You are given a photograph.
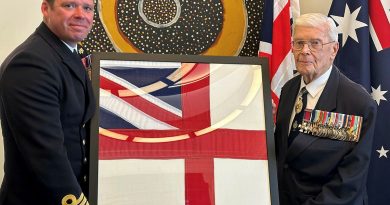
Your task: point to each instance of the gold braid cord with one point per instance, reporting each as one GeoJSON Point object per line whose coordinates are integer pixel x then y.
{"type": "Point", "coordinates": [71, 199]}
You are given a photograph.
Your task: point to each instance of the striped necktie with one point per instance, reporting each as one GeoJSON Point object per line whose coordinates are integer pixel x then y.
{"type": "Point", "coordinates": [299, 107]}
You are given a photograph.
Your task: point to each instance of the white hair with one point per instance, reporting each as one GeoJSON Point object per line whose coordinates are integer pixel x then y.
{"type": "Point", "coordinates": [318, 20]}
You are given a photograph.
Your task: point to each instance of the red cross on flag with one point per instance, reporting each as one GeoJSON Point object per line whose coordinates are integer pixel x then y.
{"type": "Point", "coordinates": [174, 133]}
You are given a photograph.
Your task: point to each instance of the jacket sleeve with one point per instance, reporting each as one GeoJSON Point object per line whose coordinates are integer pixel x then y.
{"type": "Point", "coordinates": [31, 94]}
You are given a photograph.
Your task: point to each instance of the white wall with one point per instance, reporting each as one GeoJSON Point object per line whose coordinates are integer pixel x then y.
{"type": "Point", "coordinates": [18, 19]}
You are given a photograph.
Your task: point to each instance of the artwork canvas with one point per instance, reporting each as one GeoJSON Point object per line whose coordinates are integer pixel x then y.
{"type": "Point", "coordinates": [207, 27]}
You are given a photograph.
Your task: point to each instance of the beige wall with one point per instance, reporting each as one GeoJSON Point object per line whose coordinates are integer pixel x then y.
{"type": "Point", "coordinates": [18, 19]}
{"type": "Point", "coordinates": [320, 6]}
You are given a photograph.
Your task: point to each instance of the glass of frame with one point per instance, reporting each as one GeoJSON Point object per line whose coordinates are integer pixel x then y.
{"type": "Point", "coordinates": [181, 130]}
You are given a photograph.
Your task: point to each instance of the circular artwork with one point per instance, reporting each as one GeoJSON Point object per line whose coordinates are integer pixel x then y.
{"type": "Point", "coordinates": [206, 27]}
{"type": "Point", "coordinates": [169, 26]}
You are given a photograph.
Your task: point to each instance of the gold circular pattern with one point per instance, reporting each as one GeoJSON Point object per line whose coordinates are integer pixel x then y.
{"type": "Point", "coordinates": [228, 42]}
{"type": "Point", "coordinates": [240, 34]}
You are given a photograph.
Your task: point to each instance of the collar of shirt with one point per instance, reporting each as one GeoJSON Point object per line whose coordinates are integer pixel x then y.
{"type": "Point", "coordinates": [70, 47]}
{"type": "Point", "coordinates": [315, 88]}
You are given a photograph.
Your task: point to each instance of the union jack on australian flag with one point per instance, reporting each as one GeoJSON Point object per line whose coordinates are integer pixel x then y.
{"type": "Point", "coordinates": [174, 133]}
{"type": "Point", "coordinates": [364, 56]}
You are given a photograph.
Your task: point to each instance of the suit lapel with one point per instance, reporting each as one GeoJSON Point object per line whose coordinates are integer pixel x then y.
{"type": "Point", "coordinates": [68, 58]}
{"type": "Point", "coordinates": [292, 92]}
{"type": "Point", "coordinates": [286, 106]}
{"type": "Point", "coordinates": [327, 102]}
{"type": "Point", "coordinates": [74, 64]}
{"type": "Point", "coordinates": [76, 67]}
{"type": "Point", "coordinates": [91, 106]}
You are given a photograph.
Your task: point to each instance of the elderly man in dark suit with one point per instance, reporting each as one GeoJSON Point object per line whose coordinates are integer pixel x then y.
{"type": "Point", "coordinates": [325, 124]}
{"type": "Point", "coordinates": [46, 102]}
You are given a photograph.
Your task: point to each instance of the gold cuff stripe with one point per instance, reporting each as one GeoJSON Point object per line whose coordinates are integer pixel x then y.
{"type": "Point", "coordinates": [70, 199]}
{"type": "Point", "coordinates": [84, 201]}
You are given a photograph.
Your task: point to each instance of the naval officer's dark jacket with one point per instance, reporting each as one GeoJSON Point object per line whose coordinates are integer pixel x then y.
{"type": "Point", "coordinates": [46, 103]}
{"type": "Point", "coordinates": [322, 171]}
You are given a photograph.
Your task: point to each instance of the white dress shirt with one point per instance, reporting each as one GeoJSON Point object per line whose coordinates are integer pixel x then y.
{"type": "Point", "coordinates": [314, 89]}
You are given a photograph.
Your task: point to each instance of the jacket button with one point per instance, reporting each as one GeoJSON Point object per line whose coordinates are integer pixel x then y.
{"type": "Point", "coordinates": [83, 126]}
{"type": "Point", "coordinates": [85, 160]}
{"type": "Point", "coordinates": [84, 142]}
{"type": "Point", "coordinates": [85, 178]}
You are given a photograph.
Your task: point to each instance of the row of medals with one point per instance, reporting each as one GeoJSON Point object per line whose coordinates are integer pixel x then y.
{"type": "Point", "coordinates": [323, 130]}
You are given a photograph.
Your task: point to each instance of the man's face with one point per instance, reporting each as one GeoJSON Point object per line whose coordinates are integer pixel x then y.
{"type": "Point", "coordinates": [313, 63]}
{"type": "Point", "coordinates": [70, 20]}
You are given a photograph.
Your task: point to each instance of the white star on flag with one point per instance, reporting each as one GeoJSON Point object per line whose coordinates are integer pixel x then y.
{"type": "Point", "coordinates": [382, 152]}
{"type": "Point", "coordinates": [377, 94]}
{"type": "Point", "coordinates": [348, 24]}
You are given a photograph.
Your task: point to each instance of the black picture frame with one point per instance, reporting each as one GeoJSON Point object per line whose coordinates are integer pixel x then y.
{"type": "Point", "coordinates": [94, 128]}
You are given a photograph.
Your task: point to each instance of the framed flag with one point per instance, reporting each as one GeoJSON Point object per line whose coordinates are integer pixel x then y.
{"type": "Point", "coordinates": [181, 130]}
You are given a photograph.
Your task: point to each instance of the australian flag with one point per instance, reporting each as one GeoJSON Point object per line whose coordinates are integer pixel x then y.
{"type": "Point", "coordinates": [364, 56]}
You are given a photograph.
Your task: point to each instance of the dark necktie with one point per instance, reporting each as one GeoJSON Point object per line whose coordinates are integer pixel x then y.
{"type": "Point", "coordinates": [299, 107]}
{"type": "Point", "coordinates": [75, 53]}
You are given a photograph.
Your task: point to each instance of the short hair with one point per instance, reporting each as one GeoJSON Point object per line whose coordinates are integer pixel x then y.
{"type": "Point", "coordinates": [51, 2]}
{"type": "Point", "coordinates": [318, 20]}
